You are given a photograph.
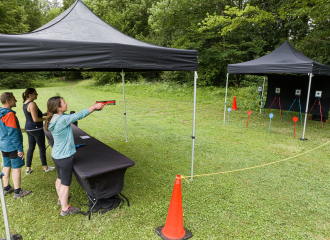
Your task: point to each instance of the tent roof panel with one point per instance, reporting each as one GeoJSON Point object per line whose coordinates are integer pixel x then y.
{"type": "Point", "coordinates": [284, 59]}
{"type": "Point", "coordinates": [78, 39]}
{"type": "Point", "coordinates": [79, 23]}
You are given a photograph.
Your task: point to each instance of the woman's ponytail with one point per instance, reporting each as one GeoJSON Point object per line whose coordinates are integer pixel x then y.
{"type": "Point", "coordinates": [27, 93]}
{"type": "Point", "coordinates": [48, 119]}
{"type": "Point", "coordinates": [52, 104]}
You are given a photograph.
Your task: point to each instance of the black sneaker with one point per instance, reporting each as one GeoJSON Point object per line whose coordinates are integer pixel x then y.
{"type": "Point", "coordinates": [22, 193]}
{"type": "Point", "coordinates": [9, 191]}
{"type": "Point", "coordinates": [70, 210]}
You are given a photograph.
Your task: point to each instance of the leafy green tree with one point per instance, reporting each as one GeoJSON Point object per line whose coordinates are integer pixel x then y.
{"type": "Point", "coordinates": [67, 4]}
{"type": "Point", "coordinates": [34, 11]}
{"type": "Point", "coordinates": [314, 41]}
{"type": "Point", "coordinates": [12, 17]}
{"type": "Point", "coordinates": [256, 30]}
{"type": "Point", "coordinates": [51, 14]}
{"type": "Point", "coordinates": [175, 24]}
{"type": "Point", "coordinates": [128, 16]}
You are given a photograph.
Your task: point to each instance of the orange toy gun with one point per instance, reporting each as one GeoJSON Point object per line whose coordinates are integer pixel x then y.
{"type": "Point", "coordinates": [111, 102]}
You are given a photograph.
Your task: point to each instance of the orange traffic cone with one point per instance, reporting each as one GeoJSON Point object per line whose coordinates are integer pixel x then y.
{"type": "Point", "coordinates": [173, 228]}
{"type": "Point", "coordinates": [234, 107]}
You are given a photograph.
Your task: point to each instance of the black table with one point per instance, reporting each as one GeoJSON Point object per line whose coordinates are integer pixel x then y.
{"type": "Point", "coordinates": [98, 168]}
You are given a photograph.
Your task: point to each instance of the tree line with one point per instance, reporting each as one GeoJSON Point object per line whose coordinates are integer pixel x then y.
{"type": "Point", "coordinates": [223, 31]}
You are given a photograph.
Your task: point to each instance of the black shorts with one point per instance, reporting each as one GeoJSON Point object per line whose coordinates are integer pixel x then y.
{"type": "Point", "coordinates": [64, 168]}
{"type": "Point", "coordinates": [11, 155]}
{"type": "Point", "coordinates": [11, 159]}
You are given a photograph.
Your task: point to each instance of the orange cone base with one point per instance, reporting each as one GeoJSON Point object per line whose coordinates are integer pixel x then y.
{"type": "Point", "coordinates": [186, 236]}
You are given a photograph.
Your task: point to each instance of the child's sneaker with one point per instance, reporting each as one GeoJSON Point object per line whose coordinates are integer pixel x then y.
{"type": "Point", "coordinates": [22, 193]}
{"type": "Point", "coordinates": [29, 172]}
{"type": "Point", "coordinates": [70, 210]}
{"type": "Point", "coordinates": [49, 169]}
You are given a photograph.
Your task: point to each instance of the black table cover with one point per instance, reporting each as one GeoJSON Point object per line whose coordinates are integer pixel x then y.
{"type": "Point", "coordinates": [97, 167]}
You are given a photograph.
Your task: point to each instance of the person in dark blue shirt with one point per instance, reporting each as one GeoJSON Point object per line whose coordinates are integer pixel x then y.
{"type": "Point", "coordinates": [34, 129]}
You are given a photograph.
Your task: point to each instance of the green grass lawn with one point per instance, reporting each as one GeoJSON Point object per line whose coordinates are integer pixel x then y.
{"type": "Point", "coordinates": [287, 200]}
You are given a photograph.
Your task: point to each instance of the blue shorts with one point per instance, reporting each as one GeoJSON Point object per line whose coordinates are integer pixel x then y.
{"type": "Point", "coordinates": [11, 159]}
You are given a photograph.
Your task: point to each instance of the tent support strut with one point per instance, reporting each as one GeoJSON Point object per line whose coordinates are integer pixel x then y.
{"type": "Point", "coordinates": [224, 112]}
{"type": "Point", "coordinates": [262, 93]}
{"type": "Point", "coordinates": [123, 77]}
{"type": "Point", "coordinates": [193, 130]}
{"type": "Point", "coordinates": [4, 208]}
{"type": "Point", "coordinates": [306, 111]}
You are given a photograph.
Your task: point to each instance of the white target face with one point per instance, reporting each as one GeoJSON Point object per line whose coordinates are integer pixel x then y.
{"type": "Point", "coordinates": [318, 94]}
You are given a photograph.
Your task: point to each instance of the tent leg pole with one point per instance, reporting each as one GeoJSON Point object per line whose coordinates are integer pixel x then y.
{"type": "Point", "coordinates": [123, 77]}
{"type": "Point", "coordinates": [224, 112]}
{"type": "Point", "coordinates": [4, 208]}
{"type": "Point", "coordinates": [262, 93]}
{"type": "Point", "coordinates": [309, 90]}
{"type": "Point", "coordinates": [193, 130]}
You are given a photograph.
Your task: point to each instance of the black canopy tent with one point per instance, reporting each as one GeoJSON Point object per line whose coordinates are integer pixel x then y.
{"type": "Point", "coordinates": [79, 40]}
{"type": "Point", "coordinates": [283, 60]}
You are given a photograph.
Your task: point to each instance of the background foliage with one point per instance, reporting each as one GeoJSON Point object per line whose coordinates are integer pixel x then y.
{"type": "Point", "coordinates": [223, 31]}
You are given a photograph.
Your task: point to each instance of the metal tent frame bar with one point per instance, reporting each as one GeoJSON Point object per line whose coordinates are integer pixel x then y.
{"type": "Point", "coordinates": [194, 116]}
{"type": "Point", "coordinates": [3, 204]}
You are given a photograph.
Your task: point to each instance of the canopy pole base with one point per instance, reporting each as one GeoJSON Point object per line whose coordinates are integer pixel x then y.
{"type": "Point", "coordinates": [303, 139]}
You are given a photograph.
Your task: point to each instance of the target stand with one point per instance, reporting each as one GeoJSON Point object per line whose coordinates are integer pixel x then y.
{"type": "Point", "coordinates": [297, 93]}
{"type": "Point", "coordinates": [277, 92]}
{"type": "Point", "coordinates": [318, 95]}
{"type": "Point", "coordinates": [260, 103]}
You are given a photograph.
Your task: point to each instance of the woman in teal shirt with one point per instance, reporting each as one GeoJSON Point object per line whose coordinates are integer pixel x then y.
{"type": "Point", "coordinates": [59, 124]}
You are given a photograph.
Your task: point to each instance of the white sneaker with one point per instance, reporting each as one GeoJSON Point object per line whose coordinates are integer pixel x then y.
{"type": "Point", "coordinates": [49, 169]}
{"type": "Point", "coordinates": [29, 172]}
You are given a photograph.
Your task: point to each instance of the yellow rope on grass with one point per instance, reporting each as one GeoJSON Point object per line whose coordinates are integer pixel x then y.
{"type": "Point", "coordinates": [263, 165]}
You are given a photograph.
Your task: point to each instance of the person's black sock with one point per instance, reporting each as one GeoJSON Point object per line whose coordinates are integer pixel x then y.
{"type": "Point", "coordinates": [17, 190]}
{"type": "Point", "coordinates": [7, 188]}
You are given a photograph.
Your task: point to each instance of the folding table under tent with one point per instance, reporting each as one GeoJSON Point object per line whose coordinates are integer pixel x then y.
{"type": "Point", "coordinates": [283, 60]}
{"type": "Point", "coordinates": [79, 40]}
